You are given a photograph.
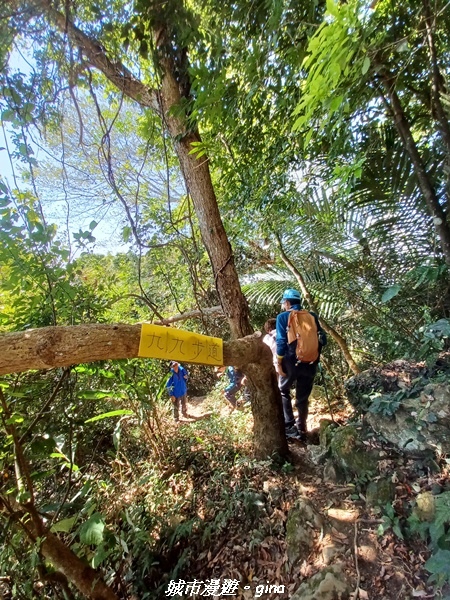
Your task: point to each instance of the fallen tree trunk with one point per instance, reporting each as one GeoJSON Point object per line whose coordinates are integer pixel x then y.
{"type": "Point", "coordinates": [51, 347]}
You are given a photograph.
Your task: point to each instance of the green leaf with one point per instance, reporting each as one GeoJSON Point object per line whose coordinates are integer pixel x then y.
{"type": "Point", "coordinates": [308, 137]}
{"type": "Point", "coordinates": [398, 532]}
{"type": "Point", "coordinates": [93, 394]}
{"type": "Point", "coordinates": [8, 115]}
{"type": "Point", "coordinates": [390, 293]}
{"type": "Point", "coordinates": [14, 419]}
{"type": "Point", "coordinates": [332, 8]}
{"type": "Point", "coordinates": [107, 415]}
{"type": "Point", "coordinates": [299, 123]}
{"type": "Point", "coordinates": [91, 532]}
{"type": "Point", "coordinates": [57, 455]}
{"type": "Point", "coordinates": [366, 65]}
{"type": "Point", "coordinates": [126, 233]}
{"type": "Point", "coordinates": [335, 103]}
{"type": "Point", "coordinates": [439, 565]}
{"type": "Point", "coordinates": [100, 555]}
{"type": "Point", "coordinates": [64, 525]}
{"type": "Point", "coordinates": [23, 496]}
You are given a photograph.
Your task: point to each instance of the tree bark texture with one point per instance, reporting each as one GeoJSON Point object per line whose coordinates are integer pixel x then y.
{"type": "Point", "coordinates": [199, 184]}
{"type": "Point", "coordinates": [269, 432]}
{"type": "Point", "coordinates": [52, 347]}
{"type": "Point", "coordinates": [87, 580]}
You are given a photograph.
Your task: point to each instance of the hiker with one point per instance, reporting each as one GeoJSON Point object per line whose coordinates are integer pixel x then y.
{"type": "Point", "coordinates": [177, 388]}
{"type": "Point", "coordinates": [271, 339]}
{"type": "Point", "coordinates": [290, 367]}
{"type": "Point", "coordinates": [237, 381]}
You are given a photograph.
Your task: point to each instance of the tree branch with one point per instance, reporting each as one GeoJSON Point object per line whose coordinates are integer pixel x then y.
{"type": "Point", "coordinates": [95, 53]}
{"type": "Point", "coordinates": [192, 314]}
{"type": "Point", "coordinates": [51, 347]}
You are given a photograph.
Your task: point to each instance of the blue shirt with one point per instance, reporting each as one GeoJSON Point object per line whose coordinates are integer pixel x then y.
{"type": "Point", "coordinates": [176, 384]}
{"type": "Point", "coordinates": [234, 375]}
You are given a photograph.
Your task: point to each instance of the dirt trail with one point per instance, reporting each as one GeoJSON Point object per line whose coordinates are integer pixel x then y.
{"type": "Point", "coordinates": [375, 566]}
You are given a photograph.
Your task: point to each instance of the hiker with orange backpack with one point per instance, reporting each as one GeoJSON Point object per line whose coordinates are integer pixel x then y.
{"type": "Point", "coordinates": [300, 339]}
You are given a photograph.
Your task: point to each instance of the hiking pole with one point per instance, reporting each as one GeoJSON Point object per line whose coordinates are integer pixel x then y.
{"type": "Point", "coordinates": [326, 391]}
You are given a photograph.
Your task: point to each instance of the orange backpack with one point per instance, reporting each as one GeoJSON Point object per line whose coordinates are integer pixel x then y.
{"type": "Point", "coordinates": [302, 327]}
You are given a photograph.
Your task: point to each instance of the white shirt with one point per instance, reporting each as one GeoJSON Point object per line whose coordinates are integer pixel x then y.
{"type": "Point", "coordinates": [270, 340]}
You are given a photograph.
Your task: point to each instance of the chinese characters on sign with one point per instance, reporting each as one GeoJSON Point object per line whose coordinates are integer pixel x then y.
{"type": "Point", "coordinates": [176, 344]}
{"type": "Point", "coordinates": [216, 587]}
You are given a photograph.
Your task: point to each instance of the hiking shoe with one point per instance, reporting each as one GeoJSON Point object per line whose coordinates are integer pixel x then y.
{"type": "Point", "coordinates": [292, 432]}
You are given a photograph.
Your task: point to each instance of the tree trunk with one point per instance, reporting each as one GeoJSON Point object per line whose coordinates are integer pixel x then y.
{"type": "Point", "coordinates": [198, 181]}
{"type": "Point", "coordinates": [168, 103]}
{"type": "Point", "coordinates": [340, 341]}
{"type": "Point", "coordinates": [86, 579]}
{"type": "Point", "coordinates": [269, 434]}
{"type": "Point", "coordinates": [434, 208]}
{"type": "Point", "coordinates": [51, 347]}
{"type": "Point", "coordinates": [437, 80]}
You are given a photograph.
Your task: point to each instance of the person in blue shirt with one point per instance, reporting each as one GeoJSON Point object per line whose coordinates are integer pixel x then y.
{"type": "Point", "coordinates": [237, 380]}
{"type": "Point", "coordinates": [291, 371]}
{"type": "Point", "coordinates": [177, 388]}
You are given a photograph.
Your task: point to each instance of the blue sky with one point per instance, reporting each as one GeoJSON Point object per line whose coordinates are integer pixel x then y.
{"type": "Point", "coordinates": [107, 232]}
{"type": "Point", "coordinates": [20, 61]}
{"type": "Point", "coordinates": [70, 183]}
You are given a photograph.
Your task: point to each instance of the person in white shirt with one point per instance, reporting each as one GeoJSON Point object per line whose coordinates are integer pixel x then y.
{"type": "Point", "coordinates": [271, 339]}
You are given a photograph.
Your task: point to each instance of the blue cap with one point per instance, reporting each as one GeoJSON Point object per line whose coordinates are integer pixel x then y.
{"type": "Point", "coordinates": [291, 294]}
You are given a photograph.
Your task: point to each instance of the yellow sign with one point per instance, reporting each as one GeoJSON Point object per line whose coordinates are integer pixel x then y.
{"type": "Point", "coordinates": [176, 344]}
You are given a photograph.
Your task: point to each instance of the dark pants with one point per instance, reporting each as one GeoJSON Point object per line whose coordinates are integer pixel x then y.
{"type": "Point", "coordinates": [178, 403]}
{"type": "Point", "coordinates": [303, 376]}
{"type": "Point", "coordinates": [231, 391]}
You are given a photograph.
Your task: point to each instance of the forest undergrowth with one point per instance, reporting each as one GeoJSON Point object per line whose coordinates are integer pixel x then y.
{"type": "Point", "coordinates": [183, 510]}
{"type": "Point", "coordinates": [207, 512]}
